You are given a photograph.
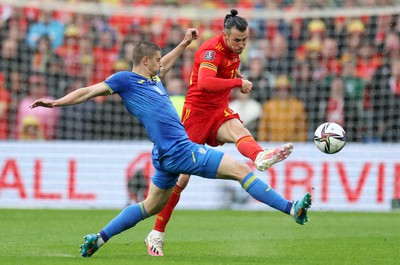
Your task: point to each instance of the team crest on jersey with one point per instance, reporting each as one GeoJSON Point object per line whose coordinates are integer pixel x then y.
{"type": "Point", "coordinates": [209, 55]}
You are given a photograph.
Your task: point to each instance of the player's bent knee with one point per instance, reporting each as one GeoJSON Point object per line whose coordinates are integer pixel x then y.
{"type": "Point", "coordinates": [183, 180]}
{"type": "Point", "coordinates": [155, 208]}
{"type": "Point", "coordinates": [243, 169]}
{"type": "Point", "coordinates": [231, 169]}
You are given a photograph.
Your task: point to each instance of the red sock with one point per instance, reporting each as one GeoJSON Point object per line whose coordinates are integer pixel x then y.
{"type": "Point", "coordinates": [248, 147]}
{"type": "Point", "coordinates": [164, 216]}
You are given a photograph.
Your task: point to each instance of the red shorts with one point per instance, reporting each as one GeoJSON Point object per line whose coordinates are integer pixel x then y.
{"type": "Point", "coordinates": [202, 125]}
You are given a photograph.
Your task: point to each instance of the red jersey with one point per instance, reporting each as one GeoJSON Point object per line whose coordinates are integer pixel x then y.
{"type": "Point", "coordinates": [213, 76]}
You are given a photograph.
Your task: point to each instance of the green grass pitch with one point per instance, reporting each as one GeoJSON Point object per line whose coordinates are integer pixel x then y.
{"type": "Point", "coordinates": [52, 237]}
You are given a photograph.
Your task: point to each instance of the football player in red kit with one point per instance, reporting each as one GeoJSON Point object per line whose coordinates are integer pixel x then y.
{"type": "Point", "coordinates": [206, 114]}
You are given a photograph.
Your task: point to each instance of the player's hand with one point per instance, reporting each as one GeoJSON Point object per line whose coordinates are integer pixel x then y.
{"type": "Point", "coordinates": [42, 103]}
{"type": "Point", "coordinates": [246, 86]}
{"type": "Point", "coordinates": [190, 35]}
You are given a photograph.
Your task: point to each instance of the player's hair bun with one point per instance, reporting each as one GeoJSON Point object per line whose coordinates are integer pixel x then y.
{"type": "Point", "coordinates": [234, 12]}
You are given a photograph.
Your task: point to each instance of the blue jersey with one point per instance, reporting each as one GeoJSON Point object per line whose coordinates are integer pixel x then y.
{"type": "Point", "coordinates": [149, 102]}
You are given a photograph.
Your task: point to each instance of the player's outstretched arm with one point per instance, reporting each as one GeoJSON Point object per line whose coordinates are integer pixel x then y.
{"type": "Point", "coordinates": [170, 58]}
{"type": "Point", "coordinates": [78, 96]}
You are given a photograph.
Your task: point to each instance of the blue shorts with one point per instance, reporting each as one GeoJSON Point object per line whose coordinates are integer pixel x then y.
{"type": "Point", "coordinates": [191, 159]}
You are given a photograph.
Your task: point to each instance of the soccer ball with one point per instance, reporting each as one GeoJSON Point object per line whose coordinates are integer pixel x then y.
{"type": "Point", "coordinates": [330, 137]}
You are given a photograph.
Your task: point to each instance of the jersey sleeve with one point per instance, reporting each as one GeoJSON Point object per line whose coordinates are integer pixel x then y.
{"type": "Point", "coordinates": [207, 81]}
{"type": "Point", "coordinates": [117, 82]}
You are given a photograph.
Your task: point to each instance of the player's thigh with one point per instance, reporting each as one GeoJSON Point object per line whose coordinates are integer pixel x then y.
{"type": "Point", "coordinates": [231, 130]}
{"type": "Point", "coordinates": [197, 125]}
{"type": "Point", "coordinates": [156, 199]}
{"type": "Point", "coordinates": [229, 168]}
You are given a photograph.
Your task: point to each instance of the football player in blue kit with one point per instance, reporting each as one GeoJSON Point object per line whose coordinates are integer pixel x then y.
{"type": "Point", "coordinates": [173, 153]}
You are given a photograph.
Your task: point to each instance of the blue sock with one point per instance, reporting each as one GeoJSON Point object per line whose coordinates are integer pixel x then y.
{"type": "Point", "coordinates": [263, 192]}
{"type": "Point", "coordinates": [126, 219]}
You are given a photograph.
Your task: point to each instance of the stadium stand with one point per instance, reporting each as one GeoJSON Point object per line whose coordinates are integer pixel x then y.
{"type": "Point", "coordinates": [341, 57]}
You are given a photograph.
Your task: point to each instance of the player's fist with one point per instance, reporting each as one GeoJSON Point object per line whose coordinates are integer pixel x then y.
{"type": "Point", "coordinates": [190, 35]}
{"type": "Point", "coordinates": [246, 86]}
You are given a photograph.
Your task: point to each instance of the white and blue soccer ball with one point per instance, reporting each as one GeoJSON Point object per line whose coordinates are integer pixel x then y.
{"type": "Point", "coordinates": [330, 137]}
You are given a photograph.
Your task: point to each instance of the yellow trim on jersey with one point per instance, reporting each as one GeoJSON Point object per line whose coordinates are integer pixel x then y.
{"type": "Point", "coordinates": [109, 88]}
{"type": "Point", "coordinates": [219, 47]}
{"type": "Point", "coordinates": [186, 115]}
{"type": "Point", "coordinates": [208, 66]}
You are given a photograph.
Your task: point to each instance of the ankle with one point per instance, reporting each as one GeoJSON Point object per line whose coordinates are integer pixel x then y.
{"type": "Point", "coordinates": [156, 233]}
{"type": "Point", "coordinates": [100, 240]}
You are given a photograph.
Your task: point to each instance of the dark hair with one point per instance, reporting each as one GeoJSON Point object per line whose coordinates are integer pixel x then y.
{"type": "Point", "coordinates": [142, 49]}
{"type": "Point", "coordinates": [232, 20]}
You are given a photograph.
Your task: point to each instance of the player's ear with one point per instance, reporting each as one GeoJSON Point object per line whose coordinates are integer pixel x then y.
{"type": "Point", "coordinates": [145, 60]}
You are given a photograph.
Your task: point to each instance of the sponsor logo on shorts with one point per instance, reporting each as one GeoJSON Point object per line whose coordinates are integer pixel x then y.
{"type": "Point", "coordinates": [201, 150]}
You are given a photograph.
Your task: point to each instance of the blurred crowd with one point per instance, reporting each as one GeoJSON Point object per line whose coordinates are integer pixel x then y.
{"type": "Point", "coordinates": [305, 71]}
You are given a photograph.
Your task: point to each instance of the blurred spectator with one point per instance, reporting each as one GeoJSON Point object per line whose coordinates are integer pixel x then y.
{"type": "Point", "coordinates": [57, 79]}
{"type": "Point", "coordinates": [354, 36]}
{"type": "Point", "coordinates": [383, 28]}
{"type": "Point", "coordinates": [16, 28]}
{"type": "Point", "coordinates": [174, 37]}
{"type": "Point", "coordinates": [311, 91]}
{"type": "Point", "coordinates": [125, 54]}
{"type": "Point", "coordinates": [391, 47]}
{"type": "Point", "coordinates": [105, 54]}
{"type": "Point", "coordinates": [69, 51]}
{"type": "Point", "coordinates": [263, 81]}
{"type": "Point", "coordinates": [312, 45]}
{"type": "Point", "coordinates": [86, 60]}
{"type": "Point", "coordinates": [14, 14]}
{"type": "Point", "coordinates": [249, 110]}
{"type": "Point", "coordinates": [31, 129]}
{"type": "Point", "coordinates": [45, 26]}
{"type": "Point", "coordinates": [312, 54]}
{"type": "Point", "coordinates": [187, 63]}
{"type": "Point", "coordinates": [83, 22]}
{"type": "Point", "coordinates": [176, 91]}
{"type": "Point", "coordinates": [39, 122]}
{"type": "Point", "coordinates": [41, 56]}
{"type": "Point", "coordinates": [386, 103]}
{"type": "Point", "coordinates": [368, 61]}
{"type": "Point", "coordinates": [284, 116]}
{"type": "Point", "coordinates": [5, 101]}
{"type": "Point", "coordinates": [335, 104]}
{"type": "Point", "coordinates": [328, 64]}
{"type": "Point", "coordinates": [77, 122]}
{"type": "Point", "coordinates": [18, 89]}
{"type": "Point", "coordinates": [121, 65]}
{"type": "Point", "coordinates": [10, 59]}
{"type": "Point", "coordinates": [278, 61]}
{"type": "Point", "coordinates": [354, 88]}
{"type": "Point", "coordinates": [274, 26]}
